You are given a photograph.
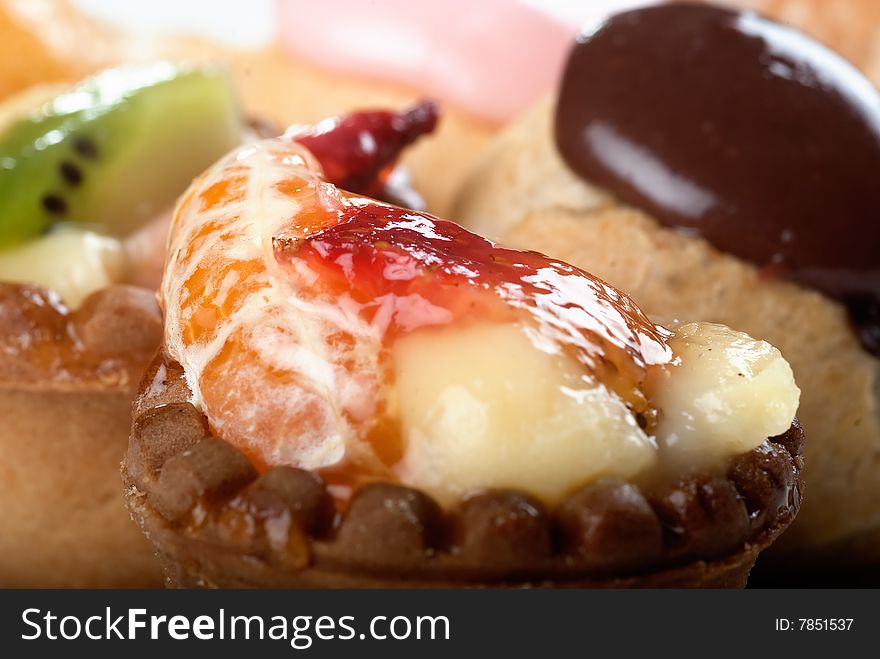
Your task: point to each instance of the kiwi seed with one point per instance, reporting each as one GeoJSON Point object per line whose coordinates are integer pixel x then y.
{"type": "Point", "coordinates": [55, 204]}
{"type": "Point", "coordinates": [85, 147]}
{"type": "Point", "coordinates": [70, 173]}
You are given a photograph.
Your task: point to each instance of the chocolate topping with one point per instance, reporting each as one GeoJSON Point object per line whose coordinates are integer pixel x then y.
{"type": "Point", "coordinates": [766, 478]}
{"type": "Point", "coordinates": [742, 130]}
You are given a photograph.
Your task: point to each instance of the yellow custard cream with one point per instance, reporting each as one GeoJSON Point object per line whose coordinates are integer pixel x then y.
{"type": "Point", "coordinates": [474, 417]}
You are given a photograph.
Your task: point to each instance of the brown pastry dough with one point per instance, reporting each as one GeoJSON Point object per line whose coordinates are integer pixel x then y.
{"type": "Point", "coordinates": [218, 523]}
{"type": "Point", "coordinates": [66, 384]}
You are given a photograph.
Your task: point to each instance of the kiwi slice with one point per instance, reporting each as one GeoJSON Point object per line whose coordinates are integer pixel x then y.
{"type": "Point", "coordinates": [114, 150]}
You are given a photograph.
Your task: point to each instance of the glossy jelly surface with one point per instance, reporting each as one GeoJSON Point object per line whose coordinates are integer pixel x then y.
{"type": "Point", "coordinates": [406, 270]}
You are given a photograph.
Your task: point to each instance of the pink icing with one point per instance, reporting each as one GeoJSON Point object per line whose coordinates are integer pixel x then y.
{"type": "Point", "coordinates": [491, 58]}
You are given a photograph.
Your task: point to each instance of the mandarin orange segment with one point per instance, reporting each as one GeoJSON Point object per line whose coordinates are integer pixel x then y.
{"type": "Point", "coordinates": [214, 295]}
{"type": "Point", "coordinates": [272, 417]}
{"type": "Point", "coordinates": [231, 317]}
{"type": "Point", "coordinates": [286, 296]}
{"type": "Point", "coordinates": [223, 192]}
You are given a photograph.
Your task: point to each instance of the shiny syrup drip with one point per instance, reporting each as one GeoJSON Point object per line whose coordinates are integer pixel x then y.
{"type": "Point", "coordinates": [739, 129]}
{"type": "Point", "coordinates": [406, 270]}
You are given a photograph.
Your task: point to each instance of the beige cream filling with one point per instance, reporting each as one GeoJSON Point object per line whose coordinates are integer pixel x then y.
{"type": "Point", "coordinates": [71, 261]}
{"type": "Point", "coordinates": [728, 393]}
{"type": "Point", "coordinates": [481, 407]}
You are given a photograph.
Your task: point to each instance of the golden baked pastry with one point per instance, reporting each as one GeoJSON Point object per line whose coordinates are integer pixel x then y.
{"type": "Point", "coordinates": [66, 384]}
{"type": "Point", "coordinates": [356, 394]}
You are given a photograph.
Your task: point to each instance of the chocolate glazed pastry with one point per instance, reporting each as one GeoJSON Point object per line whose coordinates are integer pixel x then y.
{"type": "Point", "coordinates": [355, 394]}
{"type": "Point", "coordinates": [715, 164]}
{"type": "Point", "coordinates": [779, 181]}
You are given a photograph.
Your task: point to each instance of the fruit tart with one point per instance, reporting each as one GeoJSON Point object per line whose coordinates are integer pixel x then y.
{"type": "Point", "coordinates": [353, 394]}
{"type": "Point", "coordinates": [291, 78]}
{"type": "Point", "coordinates": [84, 169]}
{"type": "Point", "coordinates": [717, 164]}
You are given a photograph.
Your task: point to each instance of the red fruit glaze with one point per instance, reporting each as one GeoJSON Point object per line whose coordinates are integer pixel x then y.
{"type": "Point", "coordinates": [357, 150]}
{"type": "Point", "coordinates": [406, 270]}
